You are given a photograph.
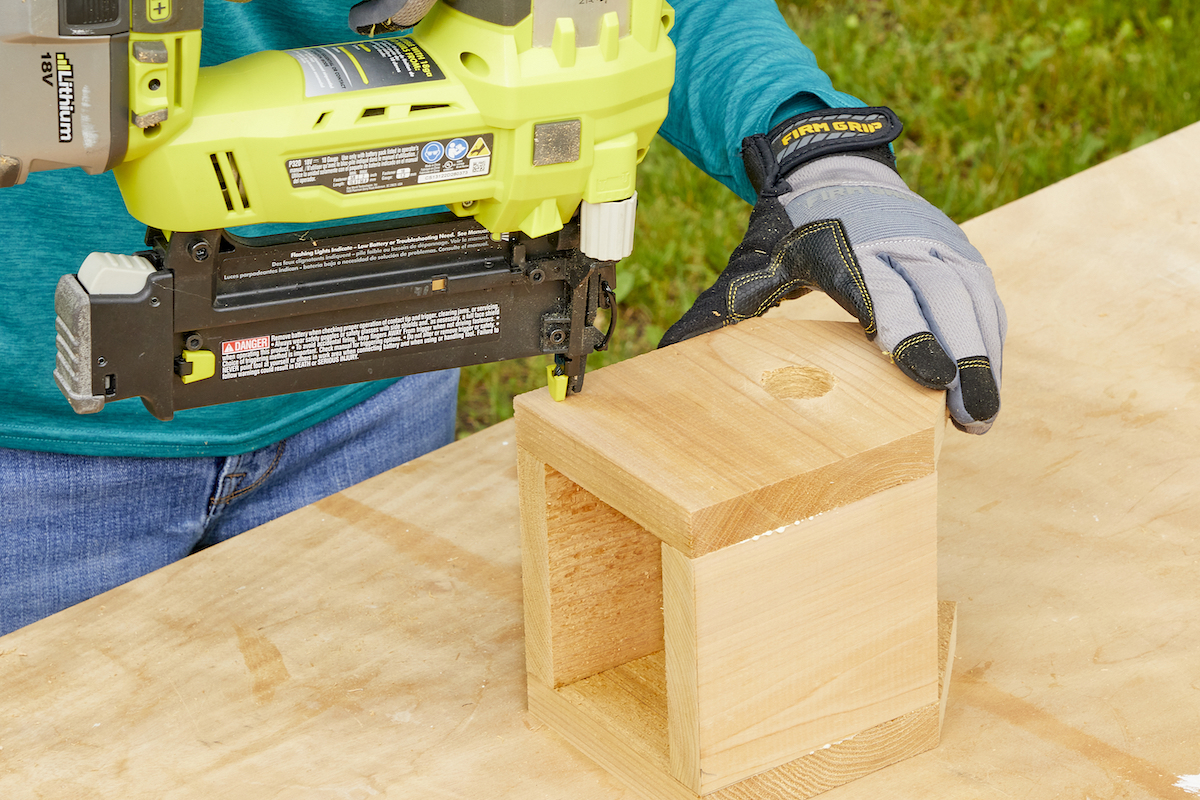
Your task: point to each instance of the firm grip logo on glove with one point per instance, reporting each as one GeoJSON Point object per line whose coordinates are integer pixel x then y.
{"type": "Point", "coordinates": [817, 134]}
{"type": "Point", "coordinates": [801, 133]}
{"type": "Point", "coordinates": [821, 133]}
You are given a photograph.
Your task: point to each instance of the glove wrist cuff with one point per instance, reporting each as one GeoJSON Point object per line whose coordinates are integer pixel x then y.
{"type": "Point", "coordinates": [817, 134]}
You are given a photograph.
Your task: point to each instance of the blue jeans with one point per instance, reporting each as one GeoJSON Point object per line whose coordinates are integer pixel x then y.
{"type": "Point", "coordinates": [72, 527]}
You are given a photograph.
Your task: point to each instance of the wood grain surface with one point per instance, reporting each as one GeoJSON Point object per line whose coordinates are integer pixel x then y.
{"type": "Point", "coordinates": [809, 635]}
{"type": "Point", "coordinates": [593, 598]}
{"type": "Point", "coordinates": [371, 645]}
{"type": "Point", "coordinates": [624, 725]}
{"type": "Point", "coordinates": [856, 426]}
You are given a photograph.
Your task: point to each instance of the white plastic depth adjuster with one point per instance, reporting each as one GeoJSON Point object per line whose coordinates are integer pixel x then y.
{"type": "Point", "coordinates": [606, 229]}
{"type": "Point", "coordinates": [112, 273]}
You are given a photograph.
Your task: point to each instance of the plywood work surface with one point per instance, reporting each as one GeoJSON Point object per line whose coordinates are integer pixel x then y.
{"type": "Point", "coordinates": [371, 645]}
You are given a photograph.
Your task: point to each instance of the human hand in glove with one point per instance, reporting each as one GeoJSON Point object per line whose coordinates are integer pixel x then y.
{"type": "Point", "coordinates": [371, 17]}
{"type": "Point", "coordinates": [834, 215]}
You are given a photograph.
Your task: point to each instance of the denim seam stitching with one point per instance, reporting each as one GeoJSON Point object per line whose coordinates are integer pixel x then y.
{"type": "Point", "coordinates": [239, 492]}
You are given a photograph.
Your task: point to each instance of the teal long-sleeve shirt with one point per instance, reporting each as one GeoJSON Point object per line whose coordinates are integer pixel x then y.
{"type": "Point", "coordinates": [56, 218]}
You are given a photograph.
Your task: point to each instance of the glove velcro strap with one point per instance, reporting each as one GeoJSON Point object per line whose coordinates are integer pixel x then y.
{"type": "Point", "coordinates": [816, 134]}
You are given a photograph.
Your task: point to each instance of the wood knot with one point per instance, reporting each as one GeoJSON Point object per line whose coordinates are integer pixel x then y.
{"type": "Point", "coordinates": [798, 383]}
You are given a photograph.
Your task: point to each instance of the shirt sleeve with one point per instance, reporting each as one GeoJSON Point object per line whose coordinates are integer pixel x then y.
{"type": "Point", "coordinates": [739, 70]}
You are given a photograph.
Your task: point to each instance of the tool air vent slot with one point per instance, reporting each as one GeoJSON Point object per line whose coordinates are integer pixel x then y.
{"type": "Point", "coordinates": [229, 178]}
{"type": "Point", "coordinates": [381, 111]}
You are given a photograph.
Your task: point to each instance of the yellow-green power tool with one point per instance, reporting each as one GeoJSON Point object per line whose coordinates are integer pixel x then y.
{"type": "Point", "coordinates": [526, 119]}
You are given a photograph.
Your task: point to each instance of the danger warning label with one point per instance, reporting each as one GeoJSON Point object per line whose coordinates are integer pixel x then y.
{"type": "Point", "coordinates": [400, 165]}
{"type": "Point", "coordinates": [337, 344]}
{"type": "Point", "coordinates": [245, 345]}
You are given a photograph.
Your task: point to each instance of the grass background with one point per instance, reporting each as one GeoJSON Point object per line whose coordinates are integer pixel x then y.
{"type": "Point", "coordinates": [998, 100]}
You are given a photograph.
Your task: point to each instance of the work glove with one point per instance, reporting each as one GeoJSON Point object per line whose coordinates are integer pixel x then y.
{"type": "Point", "coordinates": [833, 214]}
{"type": "Point", "coordinates": [387, 16]}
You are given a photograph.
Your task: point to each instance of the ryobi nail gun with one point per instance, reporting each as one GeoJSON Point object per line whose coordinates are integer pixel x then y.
{"type": "Point", "coordinates": [526, 118]}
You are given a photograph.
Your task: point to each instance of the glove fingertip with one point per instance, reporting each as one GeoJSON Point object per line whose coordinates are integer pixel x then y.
{"type": "Point", "coordinates": [973, 427]}
{"type": "Point", "coordinates": [696, 321]}
{"type": "Point", "coordinates": [922, 358]}
{"type": "Point", "coordinates": [980, 394]}
{"type": "Point", "coordinates": [672, 336]}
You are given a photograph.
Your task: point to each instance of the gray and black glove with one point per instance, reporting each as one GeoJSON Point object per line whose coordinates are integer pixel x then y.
{"type": "Point", "coordinates": [371, 17]}
{"type": "Point", "coordinates": [834, 215]}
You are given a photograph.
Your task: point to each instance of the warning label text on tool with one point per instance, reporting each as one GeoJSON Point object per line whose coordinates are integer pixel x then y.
{"type": "Point", "coordinates": [317, 255]}
{"type": "Point", "coordinates": [337, 344]}
{"type": "Point", "coordinates": [399, 165]}
{"type": "Point", "coordinates": [335, 68]}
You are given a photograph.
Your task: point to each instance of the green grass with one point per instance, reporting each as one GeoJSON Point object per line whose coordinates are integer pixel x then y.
{"type": "Point", "coordinates": [998, 101]}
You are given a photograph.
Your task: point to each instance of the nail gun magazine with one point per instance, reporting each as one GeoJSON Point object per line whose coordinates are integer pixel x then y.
{"type": "Point", "coordinates": [516, 126]}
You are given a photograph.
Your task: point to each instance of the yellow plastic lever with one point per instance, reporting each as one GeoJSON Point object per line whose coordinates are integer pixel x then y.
{"type": "Point", "coordinates": [204, 365]}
